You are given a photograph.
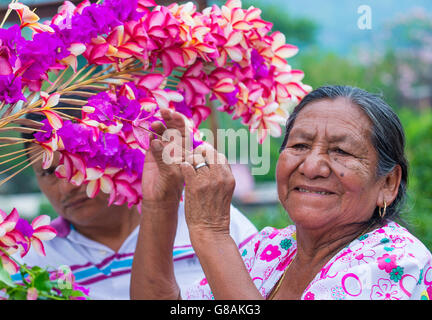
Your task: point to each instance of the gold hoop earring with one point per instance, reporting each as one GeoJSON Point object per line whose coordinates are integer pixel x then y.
{"type": "Point", "coordinates": [382, 212]}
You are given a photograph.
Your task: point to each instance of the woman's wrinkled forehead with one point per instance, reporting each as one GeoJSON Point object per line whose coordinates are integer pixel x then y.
{"type": "Point", "coordinates": [336, 116]}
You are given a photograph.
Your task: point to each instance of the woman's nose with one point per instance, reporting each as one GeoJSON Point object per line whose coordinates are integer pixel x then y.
{"type": "Point", "coordinates": [315, 165]}
{"type": "Point", "coordinates": [66, 187]}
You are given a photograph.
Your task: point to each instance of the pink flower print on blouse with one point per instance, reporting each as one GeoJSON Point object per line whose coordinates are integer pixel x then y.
{"type": "Point", "coordinates": [380, 230]}
{"type": "Point", "coordinates": [385, 290]}
{"type": "Point", "coordinates": [268, 272]}
{"type": "Point", "coordinates": [365, 257]}
{"type": "Point", "coordinates": [270, 252]}
{"type": "Point", "coordinates": [429, 291]}
{"type": "Point", "coordinates": [347, 256]}
{"type": "Point", "coordinates": [387, 262]}
{"type": "Point", "coordinates": [257, 246]}
{"type": "Point", "coordinates": [399, 241]}
{"type": "Point", "coordinates": [274, 233]}
{"type": "Point", "coordinates": [309, 296]}
{"type": "Point", "coordinates": [203, 282]}
{"type": "Point", "coordinates": [285, 261]}
{"type": "Point", "coordinates": [338, 293]}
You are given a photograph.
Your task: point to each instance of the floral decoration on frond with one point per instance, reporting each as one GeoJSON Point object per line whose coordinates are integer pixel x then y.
{"type": "Point", "coordinates": [17, 236]}
{"type": "Point", "coordinates": [140, 58]}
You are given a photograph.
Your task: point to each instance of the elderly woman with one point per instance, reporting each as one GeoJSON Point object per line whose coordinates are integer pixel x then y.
{"type": "Point", "coordinates": [341, 176]}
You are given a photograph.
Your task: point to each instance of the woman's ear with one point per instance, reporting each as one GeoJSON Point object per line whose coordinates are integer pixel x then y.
{"type": "Point", "coordinates": [390, 187]}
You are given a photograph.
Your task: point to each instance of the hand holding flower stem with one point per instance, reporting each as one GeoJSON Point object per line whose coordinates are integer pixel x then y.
{"type": "Point", "coordinates": [152, 269]}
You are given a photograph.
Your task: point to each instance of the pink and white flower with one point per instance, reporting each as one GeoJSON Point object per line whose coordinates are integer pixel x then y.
{"type": "Point", "coordinates": [385, 289]}
{"type": "Point", "coordinates": [169, 57]}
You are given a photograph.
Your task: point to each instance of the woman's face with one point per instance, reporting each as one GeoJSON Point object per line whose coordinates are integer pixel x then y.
{"type": "Point", "coordinates": [71, 202]}
{"type": "Point", "coordinates": [326, 174]}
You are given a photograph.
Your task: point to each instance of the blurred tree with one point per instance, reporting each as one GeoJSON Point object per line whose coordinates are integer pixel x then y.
{"type": "Point", "coordinates": [418, 130]}
{"type": "Point", "coordinates": [377, 76]}
{"type": "Point", "coordinates": [409, 38]}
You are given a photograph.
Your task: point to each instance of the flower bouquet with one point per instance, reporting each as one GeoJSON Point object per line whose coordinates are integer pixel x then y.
{"type": "Point", "coordinates": [118, 63]}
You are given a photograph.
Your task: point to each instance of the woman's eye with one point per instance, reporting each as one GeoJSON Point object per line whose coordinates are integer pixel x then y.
{"type": "Point", "coordinates": [48, 172]}
{"type": "Point", "coordinates": [341, 152]}
{"type": "Point", "coordinates": [300, 146]}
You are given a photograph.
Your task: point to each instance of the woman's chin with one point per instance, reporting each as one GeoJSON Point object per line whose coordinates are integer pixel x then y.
{"type": "Point", "coordinates": [310, 215]}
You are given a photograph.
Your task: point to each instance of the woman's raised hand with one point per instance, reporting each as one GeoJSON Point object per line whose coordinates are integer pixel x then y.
{"type": "Point", "coordinates": [162, 181]}
{"type": "Point", "coordinates": [209, 186]}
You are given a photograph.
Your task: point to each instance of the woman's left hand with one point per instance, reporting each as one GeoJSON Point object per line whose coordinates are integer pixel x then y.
{"type": "Point", "coordinates": [208, 192]}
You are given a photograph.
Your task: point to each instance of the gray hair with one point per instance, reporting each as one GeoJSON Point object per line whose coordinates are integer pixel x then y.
{"type": "Point", "coordinates": [388, 136]}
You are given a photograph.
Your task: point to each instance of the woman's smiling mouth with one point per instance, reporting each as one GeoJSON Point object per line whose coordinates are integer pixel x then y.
{"type": "Point", "coordinates": [313, 190]}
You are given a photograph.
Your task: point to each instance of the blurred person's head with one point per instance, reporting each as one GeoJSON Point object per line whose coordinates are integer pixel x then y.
{"type": "Point", "coordinates": [70, 201]}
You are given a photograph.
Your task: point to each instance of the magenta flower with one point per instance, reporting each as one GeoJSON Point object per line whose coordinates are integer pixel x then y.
{"type": "Point", "coordinates": [270, 253]}
{"type": "Point", "coordinates": [259, 66]}
{"type": "Point", "coordinates": [105, 108]}
{"type": "Point", "coordinates": [11, 42]}
{"type": "Point", "coordinates": [99, 19]}
{"type": "Point", "coordinates": [124, 10]}
{"type": "Point", "coordinates": [40, 54]}
{"type": "Point", "coordinates": [24, 227]}
{"type": "Point", "coordinates": [76, 137]}
{"type": "Point", "coordinates": [34, 233]}
{"type": "Point", "coordinates": [309, 296]}
{"type": "Point", "coordinates": [18, 234]}
{"type": "Point", "coordinates": [387, 262]}
{"type": "Point", "coordinates": [10, 89]}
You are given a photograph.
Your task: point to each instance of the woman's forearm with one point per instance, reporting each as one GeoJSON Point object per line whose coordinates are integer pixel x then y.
{"type": "Point", "coordinates": [224, 268]}
{"type": "Point", "coordinates": [152, 269]}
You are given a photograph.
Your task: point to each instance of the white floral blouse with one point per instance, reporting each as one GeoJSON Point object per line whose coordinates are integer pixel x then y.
{"type": "Point", "coordinates": [384, 264]}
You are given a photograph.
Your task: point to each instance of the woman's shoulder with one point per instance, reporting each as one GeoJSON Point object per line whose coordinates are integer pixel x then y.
{"type": "Point", "coordinates": [387, 263]}
{"type": "Point", "coordinates": [392, 237]}
{"type": "Point", "coordinates": [271, 243]}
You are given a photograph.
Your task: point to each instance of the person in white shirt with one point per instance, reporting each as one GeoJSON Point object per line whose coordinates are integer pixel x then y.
{"type": "Point", "coordinates": [96, 242]}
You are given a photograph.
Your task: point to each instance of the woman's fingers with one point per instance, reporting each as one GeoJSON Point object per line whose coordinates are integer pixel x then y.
{"type": "Point", "coordinates": [208, 166]}
{"type": "Point", "coordinates": [206, 154]}
{"type": "Point", "coordinates": [197, 160]}
{"type": "Point", "coordinates": [158, 128]}
{"type": "Point", "coordinates": [177, 132]}
{"type": "Point", "coordinates": [179, 142]}
{"type": "Point", "coordinates": [175, 120]}
{"type": "Point", "coordinates": [188, 172]}
{"type": "Point", "coordinates": [156, 149]}
{"type": "Point", "coordinates": [211, 156]}
{"type": "Point", "coordinates": [208, 186]}
{"type": "Point", "coordinates": [168, 141]}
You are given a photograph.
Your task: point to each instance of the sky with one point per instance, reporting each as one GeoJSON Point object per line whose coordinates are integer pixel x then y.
{"type": "Point", "coordinates": [338, 19]}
